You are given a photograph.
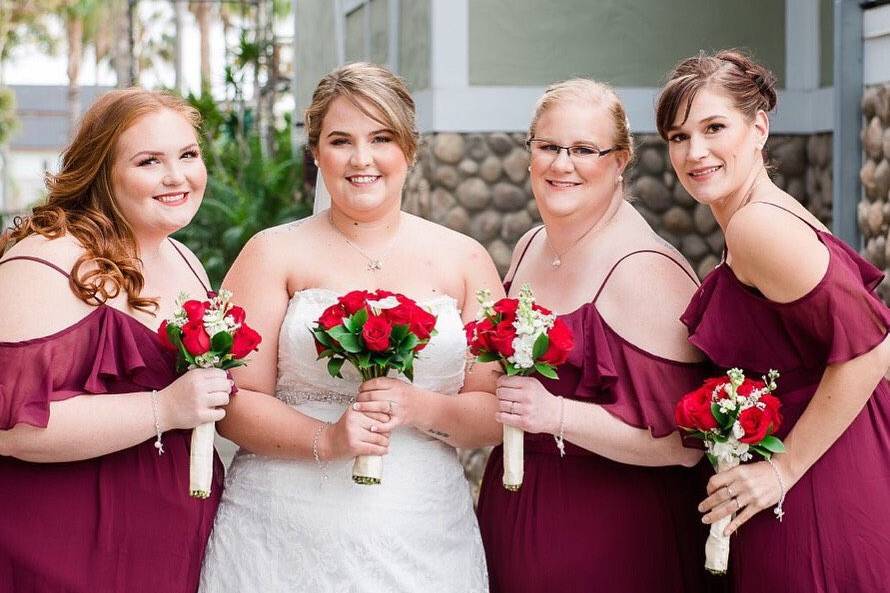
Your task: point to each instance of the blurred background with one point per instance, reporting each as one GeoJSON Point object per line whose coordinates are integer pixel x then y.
{"type": "Point", "coordinates": [476, 68]}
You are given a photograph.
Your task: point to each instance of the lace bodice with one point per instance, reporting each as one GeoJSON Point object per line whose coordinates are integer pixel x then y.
{"type": "Point", "coordinates": [439, 367]}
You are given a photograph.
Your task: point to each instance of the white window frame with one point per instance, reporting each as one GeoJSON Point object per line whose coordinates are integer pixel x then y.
{"type": "Point", "coordinates": [343, 8]}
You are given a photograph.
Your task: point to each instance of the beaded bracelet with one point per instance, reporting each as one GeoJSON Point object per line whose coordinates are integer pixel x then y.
{"type": "Point", "coordinates": [157, 416]}
{"type": "Point", "coordinates": [316, 436]}
{"type": "Point", "coordinates": [777, 511]}
{"type": "Point", "coordinates": [560, 437]}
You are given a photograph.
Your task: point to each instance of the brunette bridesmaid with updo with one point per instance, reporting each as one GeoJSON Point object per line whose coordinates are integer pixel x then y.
{"type": "Point", "coordinates": [790, 296]}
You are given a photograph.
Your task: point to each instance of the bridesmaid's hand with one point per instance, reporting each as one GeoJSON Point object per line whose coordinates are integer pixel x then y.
{"type": "Point", "coordinates": [524, 403]}
{"type": "Point", "coordinates": [746, 489]}
{"type": "Point", "coordinates": [354, 434]}
{"type": "Point", "coordinates": [389, 398]}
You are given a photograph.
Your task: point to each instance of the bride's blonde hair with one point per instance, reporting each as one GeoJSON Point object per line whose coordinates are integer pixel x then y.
{"type": "Point", "coordinates": [366, 85]}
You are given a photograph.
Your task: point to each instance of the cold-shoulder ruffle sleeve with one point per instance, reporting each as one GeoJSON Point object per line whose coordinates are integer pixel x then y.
{"type": "Point", "coordinates": [839, 319]}
{"type": "Point", "coordinates": [105, 352]}
{"type": "Point", "coordinates": [635, 386]}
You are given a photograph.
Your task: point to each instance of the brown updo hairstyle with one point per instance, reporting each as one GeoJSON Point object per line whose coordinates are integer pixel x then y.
{"type": "Point", "coordinates": [81, 199]}
{"type": "Point", "coordinates": [362, 84]}
{"type": "Point", "coordinates": [596, 93]}
{"type": "Point", "coordinates": [749, 85]}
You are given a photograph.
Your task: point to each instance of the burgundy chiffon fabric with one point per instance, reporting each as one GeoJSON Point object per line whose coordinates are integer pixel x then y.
{"type": "Point", "coordinates": [835, 537]}
{"type": "Point", "coordinates": [123, 522]}
{"type": "Point", "coordinates": [586, 523]}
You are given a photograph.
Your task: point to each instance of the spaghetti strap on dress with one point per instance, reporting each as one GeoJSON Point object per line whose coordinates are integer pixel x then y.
{"type": "Point", "coordinates": [584, 522]}
{"type": "Point", "coordinates": [835, 536]}
{"type": "Point", "coordinates": [119, 522]}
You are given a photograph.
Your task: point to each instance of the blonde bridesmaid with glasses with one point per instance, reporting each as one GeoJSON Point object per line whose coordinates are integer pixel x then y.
{"type": "Point", "coordinates": [617, 512]}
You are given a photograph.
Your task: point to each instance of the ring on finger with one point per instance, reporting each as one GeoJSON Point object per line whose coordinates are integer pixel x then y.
{"type": "Point", "coordinates": [738, 505]}
{"type": "Point", "coordinates": [389, 410]}
{"type": "Point", "coordinates": [731, 493]}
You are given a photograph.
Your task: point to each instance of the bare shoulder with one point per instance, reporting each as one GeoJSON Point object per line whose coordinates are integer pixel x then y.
{"type": "Point", "coordinates": [451, 242]}
{"type": "Point", "coordinates": [35, 298]}
{"type": "Point", "coordinates": [644, 299]}
{"type": "Point", "coordinates": [192, 259]}
{"type": "Point", "coordinates": [775, 251]}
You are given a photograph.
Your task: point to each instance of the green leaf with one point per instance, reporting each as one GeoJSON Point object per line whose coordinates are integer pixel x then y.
{"type": "Point", "coordinates": [221, 341]}
{"type": "Point", "coordinates": [174, 334]}
{"type": "Point", "coordinates": [364, 360]}
{"type": "Point", "coordinates": [760, 451]}
{"type": "Point", "coordinates": [724, 420]}
{"type": "Point", "coordinates": [398, 333]}
{"type": "Point", "coordinates": [488, 357]}
{"type": "Point", "coordinates": [326, 353]}
{"type": "Point", "coordinates": [334, 366]}
{"type": "Point", "coordinates": [772, 444]}
{"type": "Point", "coordinates": [322, 337]}
{"type": "Point", "coordinates": [540, 347]}
{"type": "Point", "coordinates": [231, 364]}
{"type": "Point", "coordinates": [409, 343]}
{"type": "Point", "coordinates": [359, 319]}
{"type": "Point", "coordinates": [350, 343]}
{"type": "Point", "coordinates": [546, 370]}
{"type": "Point", "coordinates": [512, 370]}
{"type": "Point", "coordinates": [339, 332]}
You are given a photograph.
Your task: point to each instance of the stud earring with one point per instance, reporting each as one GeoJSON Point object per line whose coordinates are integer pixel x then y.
{"type": "Point", "coordinates": [529, 168]}
{"type": "Point", "coordinates": [620, 179]}
{"type": "Point", "coordinates": [316, 162]}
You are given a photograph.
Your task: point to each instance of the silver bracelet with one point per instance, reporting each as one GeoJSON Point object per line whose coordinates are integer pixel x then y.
{"type": "Point", "coordinates": [778, 509]}
{"type": "Point", "coordinates": [560, 437]}
{"type": "Point", "coordinates": [316, 436]}
{"type": "Point", "coordinates": [154, 408]}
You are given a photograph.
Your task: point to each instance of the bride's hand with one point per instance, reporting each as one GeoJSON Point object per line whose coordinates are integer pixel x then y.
{"type": "Point", "coordinates": [395, 399]}
{"type": "Point", "coordinates": [355, 433]}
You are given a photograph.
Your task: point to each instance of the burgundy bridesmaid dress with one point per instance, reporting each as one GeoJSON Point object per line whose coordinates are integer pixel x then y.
{"type": "Point", "coordinates": [585, 523]}
{"type": "Point", "coordinates": [835, 536]}
{"type": "Point", "coordinates": [119, 523]}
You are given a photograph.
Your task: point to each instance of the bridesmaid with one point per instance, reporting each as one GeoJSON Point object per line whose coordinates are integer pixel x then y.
{"type": "Point", "coordinates": [788, 296]}
{"type": "Point", "coordinates": [616, 513]}
{"type": "Point", "coordinates": [86, 389]}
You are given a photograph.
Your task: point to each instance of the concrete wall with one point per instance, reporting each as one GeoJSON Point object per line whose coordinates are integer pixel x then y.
{"type": "Point", "coordinates": [624, 42]}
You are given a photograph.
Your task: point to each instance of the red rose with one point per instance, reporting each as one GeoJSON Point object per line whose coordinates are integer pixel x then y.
{"type": "Point", "coordinates": [715, 382]}
{"type": "Point", "coordinates": [400, 315]}
{"type": "Point", "coordinates": [165, 339]}
{"type": "Point", "coordinates": [355, 300]}
{"type": "Point", "coordinates": [237, 314]}
{"type": "Point", "coordinates": [195, 338]}
{"type": "Point", "coordinates": [422, 323]}
{"type": "Point", "coordinates": [694, 410]}
{"type": "Point", "coordinates": [561, 343]}
{"type": "Point", "coordinates": [195, 310]}
{"type": "Point", "coordinates": [245, 341]}
{"type": "Point", "coordinates": [773, 405]}
{"type": "Point", "coordinates": [507, 309]}
{"type": "Point", "coordinates": [482, 341]}
{"type": "Point", "coordinates": [376, 333]}
{"type": "Point", "coordinates": [748, 386]}
{"type": "Point", "coordinates": [470, 330]}
{"type": "Point", "coordinates": [319, 347]}
{"type": "Point", "coordinates": [382, 294]}
{"type": "Point", "coordinates": [502, 337]}
{"type": "Point", "coordinates": [332, 317]}
{"type": "Point", "coordinates": [756, 424]}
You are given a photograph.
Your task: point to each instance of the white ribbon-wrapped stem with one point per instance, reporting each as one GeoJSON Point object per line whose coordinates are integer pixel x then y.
{"type": "Point", "coordinates": [201, 460]}
{"type": "Point", "coordinates": [717, 546]}
{"type": "Point", "coordinates": [367, 470]}
{"type": "Point", "coordinates": [514, 439]}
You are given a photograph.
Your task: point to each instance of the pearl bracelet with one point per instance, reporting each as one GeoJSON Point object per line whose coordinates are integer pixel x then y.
{"type": "Point", "coordinates": [560, 436]}
{"type": "Point", "coordinates": [779, 513]}
{"type": "Point", "coordinates": [316, 436]}
{"type": "Point", "coordinates": [157, 416]}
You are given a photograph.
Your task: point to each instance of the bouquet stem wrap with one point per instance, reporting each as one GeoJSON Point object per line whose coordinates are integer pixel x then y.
{"type": "Point", "coordinates": [367, 470]}
{"type": "Point", "coordinates": [717, 546]}
{"type": "Point", "coordinates": [514, 440]}
{"type": "Point", "coordinates": [201, 460]}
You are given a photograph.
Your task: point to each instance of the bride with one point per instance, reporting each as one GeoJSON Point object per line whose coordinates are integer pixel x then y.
{"type": "Point", "coordinates": [291, 517]}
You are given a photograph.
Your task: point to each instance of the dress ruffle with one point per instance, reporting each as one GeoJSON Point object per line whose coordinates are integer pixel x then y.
{"type": "Point", "coordinates": [639, 388]}
{"type": "Point", "coordinates": [37, 372]}
{"type": "Point", "coordinates": [840, 317]}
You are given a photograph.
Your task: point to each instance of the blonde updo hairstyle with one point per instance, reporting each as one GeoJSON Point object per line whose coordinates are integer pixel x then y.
{"type": "Point", "coordinates": [593, 92]}
{"type": "Point", "coordinates": [366, 85]}
{"type": "Point", "coordinates": [750, 86]}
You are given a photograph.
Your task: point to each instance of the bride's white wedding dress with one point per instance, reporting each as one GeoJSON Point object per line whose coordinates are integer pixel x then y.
{"type": "Point", "coordinates": [282, 527]}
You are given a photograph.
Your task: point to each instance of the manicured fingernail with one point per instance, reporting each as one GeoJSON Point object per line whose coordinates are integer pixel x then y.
{"type": "Point", "coordinates": [705, 520]}
{"type": "Point", "coordinates": [373, 429]}
{"type": "Point", "coordinates": [701, 509]}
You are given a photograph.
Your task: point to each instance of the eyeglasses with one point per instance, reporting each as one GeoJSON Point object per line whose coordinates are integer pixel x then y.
{"type": "Point", "coordinates": [547, 151]}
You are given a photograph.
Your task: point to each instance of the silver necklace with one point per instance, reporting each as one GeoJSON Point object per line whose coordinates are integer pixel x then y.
{"type": "Point", "coordinates": [557, 256]}
{"type": "Point", "coordinates": [374, 263]}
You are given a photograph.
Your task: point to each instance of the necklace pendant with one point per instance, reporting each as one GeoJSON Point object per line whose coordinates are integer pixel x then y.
{"type": "Point", "coordinates": [374, 265]}
{"type": "Point", "coordinates": [556, 262]}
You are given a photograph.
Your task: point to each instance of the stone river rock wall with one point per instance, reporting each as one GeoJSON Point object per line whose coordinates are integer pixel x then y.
{"type": "Point", "coordinates": [874, 207]}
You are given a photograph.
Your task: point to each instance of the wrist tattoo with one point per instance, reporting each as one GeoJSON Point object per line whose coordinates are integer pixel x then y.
{"type": "Point", "coordinates": [438, 433]}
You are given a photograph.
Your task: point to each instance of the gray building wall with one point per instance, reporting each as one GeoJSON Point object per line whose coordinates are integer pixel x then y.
{"type": "Point", "coordinates": [623, 42]}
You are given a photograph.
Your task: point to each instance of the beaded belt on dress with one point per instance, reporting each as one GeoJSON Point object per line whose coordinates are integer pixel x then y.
{"type": "Point", "coordinates": [296, 397]}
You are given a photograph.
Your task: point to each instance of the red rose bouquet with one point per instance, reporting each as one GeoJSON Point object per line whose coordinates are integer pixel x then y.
{"type": "Point", "coordinates": [524, 338]}
{"type": "Point", "coordinates": [735, 417]}
{"type": "Point", "coordinates": [377, 332]}
{"type": "Point", "coordinates": [207, 334]}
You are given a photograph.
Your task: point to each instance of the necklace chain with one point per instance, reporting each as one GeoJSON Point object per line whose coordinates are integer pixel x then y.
{"type": "Point", "coordinates": [557, 259]}
{"type": "Point", "coordinates": [375, 264]}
